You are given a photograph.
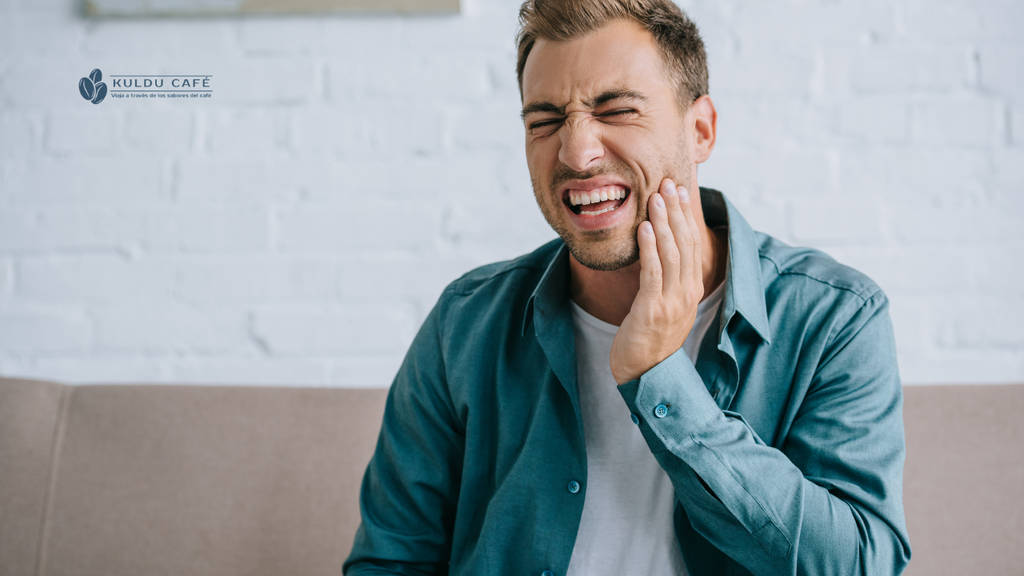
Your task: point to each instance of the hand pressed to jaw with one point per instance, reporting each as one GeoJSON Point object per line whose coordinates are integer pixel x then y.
{"type": "Point", "coordinates": [686, 233]}
{"type": "Point", "coordinates": [671, 286]}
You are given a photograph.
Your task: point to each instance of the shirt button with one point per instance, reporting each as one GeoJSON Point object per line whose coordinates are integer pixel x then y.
{"type": "Point", "coordinates": [574, 487]}
{"type": "Point", "coordinates": [635, 419]}
{"type": "Point", "coordinates": [547, 573]}
{"type": "Point", "coordinates": [660, 410]}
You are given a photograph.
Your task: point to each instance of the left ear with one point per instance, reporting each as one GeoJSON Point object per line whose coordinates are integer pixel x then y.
{"type": "Point", "coordinates": [705, 127]}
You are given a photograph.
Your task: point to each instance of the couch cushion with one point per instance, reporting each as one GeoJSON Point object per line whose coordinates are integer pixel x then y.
{"type": "Point", "coordinates": [29, 412]}
{"type": "Point", "coordinates": [209, 480]}
{"type": "Point", "coordinates": [963, 485]}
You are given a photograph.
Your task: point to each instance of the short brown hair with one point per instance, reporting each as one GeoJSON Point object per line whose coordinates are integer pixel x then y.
{"type": "Point", "coordinates": [682, 48]}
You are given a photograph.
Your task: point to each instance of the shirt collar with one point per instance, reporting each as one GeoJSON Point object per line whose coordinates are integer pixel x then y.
{"type": "Point", "coordinates": [744, 289]}
{"type": "Point", "coordinates": [552, 287]}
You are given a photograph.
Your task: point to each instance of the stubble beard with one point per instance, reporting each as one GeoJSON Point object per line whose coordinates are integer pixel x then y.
{"type": "Point", "coordinates": [602, 250]}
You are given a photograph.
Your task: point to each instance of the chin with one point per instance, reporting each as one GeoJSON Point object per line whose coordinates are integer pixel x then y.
{"type": "Point", "coordinates": [604, 256]}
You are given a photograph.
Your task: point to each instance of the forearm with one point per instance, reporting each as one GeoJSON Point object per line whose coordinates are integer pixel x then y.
{"type": "Point", "coordinates": [753, 503]}
{"type": "Point", "coordinates": [767, 516]}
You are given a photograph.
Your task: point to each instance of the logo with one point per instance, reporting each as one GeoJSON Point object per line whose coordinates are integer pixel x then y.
{"type": "Point", "coordinates": [91, 88]}
{"type": "Point", "coordinates": [164, 86]}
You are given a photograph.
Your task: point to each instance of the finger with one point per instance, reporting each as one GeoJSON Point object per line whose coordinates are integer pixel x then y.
{"type": "Point", "coordinates": [696, 247]}
{"type": "Point", "coordinates": [667, 248]}
{"type": "Point", "coordinates": [650, 263]}
{"type": "Point", "coordinates": [681, 231]}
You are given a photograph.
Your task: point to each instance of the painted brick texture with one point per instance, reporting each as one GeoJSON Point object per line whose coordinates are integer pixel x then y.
{"type": "Point", "coordinates": [296, 228]}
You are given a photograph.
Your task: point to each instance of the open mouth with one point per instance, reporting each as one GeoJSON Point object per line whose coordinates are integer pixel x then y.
{"type": "Point", "coordinates": [596, 200]}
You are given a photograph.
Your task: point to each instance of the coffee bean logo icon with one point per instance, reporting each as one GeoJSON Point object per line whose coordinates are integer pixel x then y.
{"type": "Point", "coordinates": [91, 88]}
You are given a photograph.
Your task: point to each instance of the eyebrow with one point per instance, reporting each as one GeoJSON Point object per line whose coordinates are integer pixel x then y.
{"type": "Point", "coordinates": [606, 96]}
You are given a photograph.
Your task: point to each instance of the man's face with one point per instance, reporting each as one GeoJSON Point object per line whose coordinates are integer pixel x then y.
{"type": "Point", "coordinates": [603, 129]}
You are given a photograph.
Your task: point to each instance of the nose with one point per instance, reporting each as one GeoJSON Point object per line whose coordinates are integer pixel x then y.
{"type": "Point", "coordinates": [580, 145]}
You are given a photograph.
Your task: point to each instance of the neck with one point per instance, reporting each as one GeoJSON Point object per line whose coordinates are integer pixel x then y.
{"type": "Point", "coordinates": [609, 295]}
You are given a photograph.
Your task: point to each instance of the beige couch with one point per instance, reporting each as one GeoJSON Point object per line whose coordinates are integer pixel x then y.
{"type": "Point", "coordinates": [197, 480]}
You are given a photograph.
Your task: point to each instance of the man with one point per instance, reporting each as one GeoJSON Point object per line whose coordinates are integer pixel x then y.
{"type": "Point", "coordinates": [659, 391]}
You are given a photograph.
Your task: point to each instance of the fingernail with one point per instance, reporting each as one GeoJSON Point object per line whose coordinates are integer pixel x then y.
{"type": "Point", "coordinates": [646, 227]}
{"type": "Point", "coordinates": [670, 191]}
{"type": "Point", "coordinates": [684, 194]}
{"type": "Point", "coordinates": [659, 202]}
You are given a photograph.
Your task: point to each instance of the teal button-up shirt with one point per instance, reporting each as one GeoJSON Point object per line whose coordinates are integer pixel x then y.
{"type": "Point", "coordinates": [784, 443]}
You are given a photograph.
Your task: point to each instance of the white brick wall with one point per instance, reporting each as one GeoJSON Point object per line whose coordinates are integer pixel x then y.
{"type": "Point", "coordinates": [297, 228]}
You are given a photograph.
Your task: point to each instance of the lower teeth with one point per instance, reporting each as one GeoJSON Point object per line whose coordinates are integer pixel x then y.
{"type": "Point", "coordinates": [598, 212]}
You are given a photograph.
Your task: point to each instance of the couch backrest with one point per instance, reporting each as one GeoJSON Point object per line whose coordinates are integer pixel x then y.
{"type": "Point", "coordinates": [963, 485]}
{"type": "Point", "coordinates": [29, 413]}
{"type": "Point", "coordinates": [184, 480]}
{"type": "Point", "coordinates": [196, 480]}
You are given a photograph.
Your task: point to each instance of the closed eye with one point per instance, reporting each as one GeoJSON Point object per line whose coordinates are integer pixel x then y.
{"type": "Point", "coordinates": [620, 112]}
{"type": "Point", "coordinates": [544, 123]}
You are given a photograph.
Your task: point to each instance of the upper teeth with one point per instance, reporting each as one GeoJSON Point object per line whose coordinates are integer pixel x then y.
{"type": "Point", "coordinates": [577, 197]}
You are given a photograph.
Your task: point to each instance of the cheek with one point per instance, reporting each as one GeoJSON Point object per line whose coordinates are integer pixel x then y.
{"type": "Point", "coordinates": [631, 144]}
{"type": "Point", "coordinates": [541, 157]}
{"type": "Point", "coordinates": [638, 151]}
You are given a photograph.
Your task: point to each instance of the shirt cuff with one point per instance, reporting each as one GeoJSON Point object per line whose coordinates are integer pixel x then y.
{"type": "Point", "coordinates": [670, 402]}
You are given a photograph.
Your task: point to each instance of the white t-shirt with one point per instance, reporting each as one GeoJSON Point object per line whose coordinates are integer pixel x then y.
{"type": "Point", "coordinates": [626, 526]}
